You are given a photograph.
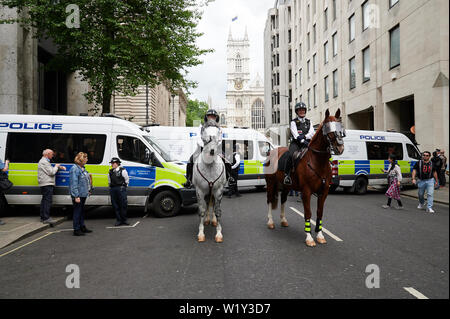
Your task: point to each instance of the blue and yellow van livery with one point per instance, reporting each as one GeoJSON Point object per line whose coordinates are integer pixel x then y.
{"type": "Point", "coordinates": [155, 180]}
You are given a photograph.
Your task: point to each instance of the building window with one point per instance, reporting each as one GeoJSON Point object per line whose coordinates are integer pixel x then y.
{"type": "Point", "coordinates": [315, 94]}
{"type": "Point", "coordinates": [334, 10]}
{"type": "Point", "coordinates": [238, 63]}
{"type": "Point", "coordinates": [290, 75]}
{"type": "Point", "coordinates": [327, 93]}
{"type": "Point", "coordinates": [258, 115]}
{"type": "Point", "coordinates": [335, 83]}
{"type": "Point", "coordinates": [309, 99]}
{"type": "Point", "coordinates": [366, 64]}
{"type": "Point", "coordinates": [335, 44]}
{"type": "Point", "coordinates": [239, 104]}
{"type": "Point", "coordinates": [392, 3]}
{"type": "Point", "coordinates": [289, 56]}
{"type": "Point", "coordinates": [315, 63]}
{"type": "Point", "coordinates": [308, 69]}
{"type": "Point", "coordinates": [325, 20]}
{"type": "Point", "coordinates": [289, 36]}
{"type": "Point", "coordinates": [314, 34]}
{"type": "Point", "coordinates": [314, 6]}
{"type": "Point", "coordinates": [325, 52]}
{"type": "Point", "coordinates": [300, 75]}
{"type": "Point", "coordinates": [308, 13]}
{"type": "Point", "coordinates": [351, 28]}
{"type": "Point", "coordinates": [394, 35]}
{"type": "Point", "coordinates": [352, 73]}
{"type": "Point", "coordinates": [300, 52]}
{"type": "Point", "coordinates": [308, 39]}
{"type": "Point", "coordinates": [365, 15]}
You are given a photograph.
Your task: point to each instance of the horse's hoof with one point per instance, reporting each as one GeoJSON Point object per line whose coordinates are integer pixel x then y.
{"type": "Point", "coordinates": [201, 239]}
{"type": "Point", "coordinates": [271, 226]}
{"type": "Point", "coordinates": [219, 239]}
{"type": "Point", "coordinates": [321, 240]}
{"type": "Point", "coordinates": [206, 223]}
{"type": "Point", "coordinates": [214, 224]}
{"type": "Point", "coordinates": [310, 243]}
{"type": "Point", "coordinates": [284, 224]}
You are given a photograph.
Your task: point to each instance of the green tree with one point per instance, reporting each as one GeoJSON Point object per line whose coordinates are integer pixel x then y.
{"type": "Point", "coordinates": [117, 45]}
{"type": "Point", "coordinates": [195, 111]}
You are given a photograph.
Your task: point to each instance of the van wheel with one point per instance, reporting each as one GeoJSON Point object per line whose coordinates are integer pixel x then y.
{"type": "Point", "coordinates": [361, 186]}
{"type": "Point", "coordinates": [166, 204]}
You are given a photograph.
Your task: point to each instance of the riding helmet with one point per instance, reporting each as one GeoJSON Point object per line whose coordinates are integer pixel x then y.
{"type": "Point", "coordinates": [212, 112]}
{"type": "Point", "coordinates": [115, 160]}
{"type": "Point", "coordinates": [300, 106]}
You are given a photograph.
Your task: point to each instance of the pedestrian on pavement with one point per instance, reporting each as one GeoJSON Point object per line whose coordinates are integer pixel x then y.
{"type": "Point", "coordinates": [46, 181]}
{"type": "Point", "coordinates": [3, 169]}
{"type": "Point", "coordinates": [427, 179]}
{"type": "Point", "coordinates": [437, 162]}
{"type": "Point", "coordinates": [394, 180]}
{"type": "Point", "coordinates": [79, 188]}
{"type": "Point", "coordinates": [235, 165]}
{"type": "Point", "coordinates": [118, 181]}
{"type": "Point", "coordinates": [441, 173]}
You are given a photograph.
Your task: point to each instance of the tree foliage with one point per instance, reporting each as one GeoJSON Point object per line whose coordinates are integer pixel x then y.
{"type": "Point", "coordinates": [195, 110]}
{"type": "Point", "coordinates": [119, 44]}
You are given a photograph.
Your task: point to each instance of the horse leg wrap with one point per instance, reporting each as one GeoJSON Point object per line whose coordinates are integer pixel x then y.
{"type": "Point", "coordinates": [318, 226]}
{"type": "Point", "coordinates": [307, 226]}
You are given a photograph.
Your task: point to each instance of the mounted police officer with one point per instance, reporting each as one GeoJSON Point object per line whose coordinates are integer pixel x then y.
{"type": "Point", "coordinates": [301, 134]}
{"type": "Point", "coordinates": [211, 116]}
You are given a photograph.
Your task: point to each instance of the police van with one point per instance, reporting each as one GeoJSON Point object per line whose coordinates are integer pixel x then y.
{"type": "Point", "coordinates": [155, 178]}
{"type": "Point", "coordinates": [366, 154]}
{"type": "Point", "coordinates": [253, 148]}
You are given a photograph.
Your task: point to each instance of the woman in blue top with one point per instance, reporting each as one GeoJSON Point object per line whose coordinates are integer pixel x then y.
{"type": "Point", "coordinates": [80, 185]}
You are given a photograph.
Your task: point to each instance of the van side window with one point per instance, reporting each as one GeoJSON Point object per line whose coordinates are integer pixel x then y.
{"type": "Point", "coordinates": [381, 151]}
{"type": "Point", "coordinates": [264, 147]}
{"type": "Point", "coordinates": [412, 152]}
{"type": "Point", "coordinates": [132, 149]}
{"type": "Point", "coordinates": [28, 147]}
{"type": "Point", "coordinates": [245, 149]}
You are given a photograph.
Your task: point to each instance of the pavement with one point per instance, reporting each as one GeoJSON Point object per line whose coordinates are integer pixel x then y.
{"type": "Point", "coordinates": [440, 195]}
{"type": "Point", "coordinates": [21, 227]}
{"type": "Point", "coordinates": [407, 250]}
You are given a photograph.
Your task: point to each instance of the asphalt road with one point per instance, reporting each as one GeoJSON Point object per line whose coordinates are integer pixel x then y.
{"type": "Point", "coordinates": [161, 258]}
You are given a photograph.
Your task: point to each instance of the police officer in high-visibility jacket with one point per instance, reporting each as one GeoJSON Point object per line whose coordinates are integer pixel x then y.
{"type": "Point", "coordinates": [118, 181]}
{"type": "Point", "coordinates": [301, 134]}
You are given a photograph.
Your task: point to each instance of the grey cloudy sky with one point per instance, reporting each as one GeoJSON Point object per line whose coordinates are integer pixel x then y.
{"type": "Point", "coordinates": [215, 24]}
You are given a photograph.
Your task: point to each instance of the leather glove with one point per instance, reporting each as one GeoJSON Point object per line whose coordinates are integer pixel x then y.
{"type": "Point", "coordinates": [300, 139]}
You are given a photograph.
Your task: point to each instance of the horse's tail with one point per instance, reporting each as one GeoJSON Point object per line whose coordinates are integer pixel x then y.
{"type": "Point", "coordinates": [272, 190]}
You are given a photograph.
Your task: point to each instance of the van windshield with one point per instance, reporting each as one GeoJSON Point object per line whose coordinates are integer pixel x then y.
{"type": "Point", "coordinates": [159, 148]}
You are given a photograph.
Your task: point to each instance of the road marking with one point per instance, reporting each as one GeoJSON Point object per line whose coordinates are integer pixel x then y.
{"type": "Point", "coordinates": [118, 227]}
{"type": "Point", "coordinates": [145, 216]}
{"type": "Point", "coordinates": [326, 231]}
{"type": "Point", "coordinates": [415, 293]}
{"type": "Point", "coordinates": [24, 245]}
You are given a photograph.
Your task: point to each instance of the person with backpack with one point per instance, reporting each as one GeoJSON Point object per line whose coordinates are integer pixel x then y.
{"type": "Point", "coordinates": [427, 180]}
{"type": "Point", "coordinates": [118, 180]}
{"type": "Point", "coordinates": [394, 180]}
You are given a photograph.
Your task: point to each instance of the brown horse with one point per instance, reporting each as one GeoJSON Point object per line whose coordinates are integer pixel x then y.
{"type": "Point", "coordinates": [312, 175]}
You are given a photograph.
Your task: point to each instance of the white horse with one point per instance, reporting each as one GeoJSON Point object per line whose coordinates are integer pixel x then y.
{"type": "Point", "coordinates": [209, 179]}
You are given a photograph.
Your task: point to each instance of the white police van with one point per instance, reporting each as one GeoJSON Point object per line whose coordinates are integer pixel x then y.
{"type": "Point", "coordinates": [155, 178]}
{"type": "Point", "coordinates": [366, 154]}
{"type": "Point", "coordinates": [182, 142]}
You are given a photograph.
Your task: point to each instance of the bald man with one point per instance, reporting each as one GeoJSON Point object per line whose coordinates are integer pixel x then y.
{"type": "Point", "coordinates": [46, 180]}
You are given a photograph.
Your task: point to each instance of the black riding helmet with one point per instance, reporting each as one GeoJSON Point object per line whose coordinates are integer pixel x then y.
{"type": "Point", "coordinates": [300, 106]}
{"type": "Point", "coordinates": [212, 112]}
{"type": "Point", "coordinates": [115, 160]}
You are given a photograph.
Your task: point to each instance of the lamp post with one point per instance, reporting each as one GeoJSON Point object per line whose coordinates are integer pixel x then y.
{"type": "Point", "coordinates": [173, 109]}
{"type": "Point", "coordinates": [146, 104]}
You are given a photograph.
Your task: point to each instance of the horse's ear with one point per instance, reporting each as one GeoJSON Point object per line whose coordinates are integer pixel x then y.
{"type": "Point", "coordinates": [338, 114]}
{"type": "Point", "coordinates": [327, 113]}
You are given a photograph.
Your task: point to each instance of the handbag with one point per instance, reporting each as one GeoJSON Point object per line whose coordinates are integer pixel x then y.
{"type": "Point", "coordinates": [5, 183]}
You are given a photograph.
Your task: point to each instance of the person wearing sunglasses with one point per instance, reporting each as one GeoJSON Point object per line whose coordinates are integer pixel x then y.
{"type": "Point", "coordinates": [426, 172]}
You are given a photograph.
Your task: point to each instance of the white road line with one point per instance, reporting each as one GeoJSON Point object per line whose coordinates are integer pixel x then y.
{"type": "Point", "coordinates": [415, 293]}
{"type": "Point", "coordinates": [326, 231]}
{"type": "Point", "coordinates": [146, 215]}
{"type": "Point", "coordinates": [24, 245]}
{"type": "Point", "coordinates": [118, 227]}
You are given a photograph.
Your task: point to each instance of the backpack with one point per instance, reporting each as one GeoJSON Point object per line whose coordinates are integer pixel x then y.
{"type": "Point", "coordinates": [5, 183]}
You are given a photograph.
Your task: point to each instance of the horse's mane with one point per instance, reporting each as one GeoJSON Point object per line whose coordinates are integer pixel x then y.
{"type": "Point", "coordinates": [319, 129]}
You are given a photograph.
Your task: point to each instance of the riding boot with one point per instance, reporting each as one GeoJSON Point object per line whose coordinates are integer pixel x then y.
{"type": "Point", "coordinates": [287, 171]}
{"type": "Point", "coordinates": [189, 172]}
{"type": "Point", "coordinates": [230, 179]}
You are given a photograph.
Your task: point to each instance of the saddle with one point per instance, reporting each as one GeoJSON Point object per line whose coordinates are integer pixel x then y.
{"type": "Point", "coordinates": [297, 157]}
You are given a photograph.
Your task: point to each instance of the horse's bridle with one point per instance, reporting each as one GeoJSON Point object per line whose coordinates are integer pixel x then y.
{"type": "Point", "coordinates": [337, 129]}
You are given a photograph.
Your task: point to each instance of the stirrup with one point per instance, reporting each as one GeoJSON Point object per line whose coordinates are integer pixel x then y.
{"type": "Point", "coordinates": [188, 184]}
{"type": "Point", "coordinates": [287, 180]}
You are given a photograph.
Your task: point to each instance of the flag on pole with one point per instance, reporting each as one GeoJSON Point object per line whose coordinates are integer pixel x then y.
{"type": "Point", "coordinates": [234, 19]}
